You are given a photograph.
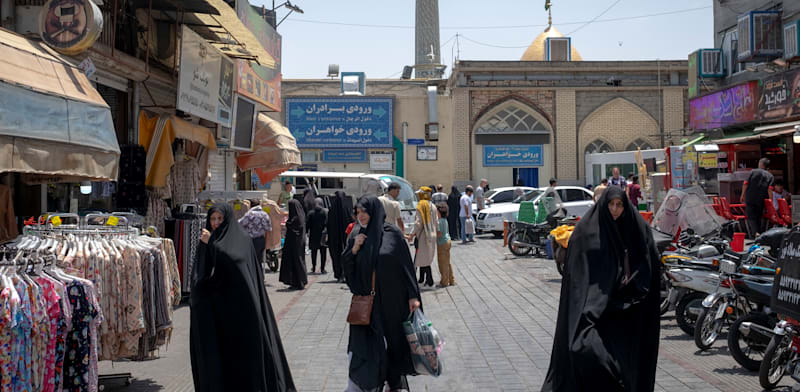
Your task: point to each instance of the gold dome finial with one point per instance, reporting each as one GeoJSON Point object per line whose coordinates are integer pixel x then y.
{"type": "Point", "coordinates": [547, 6]}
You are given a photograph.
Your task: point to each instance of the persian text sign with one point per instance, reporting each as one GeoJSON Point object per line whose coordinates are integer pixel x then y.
{"type": "Point", "coordinates": [734, 105]}
{"type": "Point", "coordinates": [341, 122]}
{"type": "Point", "coordinates": [259, 83]}
{"type": "Point", "coordinates": [786, 288]}
{"type": "Point", "coordinates": [344, 156]}
{"type": "Point", "coordinates": [520, 155]}
{"type": "Point", "coordinates": [779, 95]}
{"type": "Point", "coordinates": [205, 87]}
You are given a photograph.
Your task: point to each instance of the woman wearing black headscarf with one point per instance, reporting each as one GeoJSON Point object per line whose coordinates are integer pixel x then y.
{"type": "Point", "coordinates": [379, 351]}
{"type": "Point", "coordinates": [309, 198]}
{"type": "Point", "coordinates": [607, 331]}
{"type": "Point", "coordinates": [453, 206]}
{"type": "Point", "coordinates": [340, 216]}
{"type": "Point", "coordinates": [234, 339]}
{"type": "Point", "coordinates": [317, 220]}
{"type": "Point", "coordinates": [293, 259]}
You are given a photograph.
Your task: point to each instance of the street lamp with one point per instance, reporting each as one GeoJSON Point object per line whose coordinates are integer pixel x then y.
{"type": "Point", "coordinates": [796, 135]}
{"type": "Point", "coordinates": [291, 7]}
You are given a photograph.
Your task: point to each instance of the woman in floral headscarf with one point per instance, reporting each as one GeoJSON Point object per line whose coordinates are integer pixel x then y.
{"type": "Point", "coordinates": [425, 231]}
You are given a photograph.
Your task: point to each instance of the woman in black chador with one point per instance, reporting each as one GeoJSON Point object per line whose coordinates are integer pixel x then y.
{"type": "Point", "coordinates": [234, 339]}
{"type": "Point", "coordinates": [454, 207]}
{"type": "Point", "coordinates": [293, 259]}
{"type": "Point", "coordinates": [379, 352]}
{"type": "Point", "coordinates": [340, 216]}
{"type": "Point", "coordinates": [607, 331]}
{"type": "Point", "coordinates": [317, 221]}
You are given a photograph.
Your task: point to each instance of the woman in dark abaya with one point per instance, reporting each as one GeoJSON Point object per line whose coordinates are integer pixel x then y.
{"type": "Point", "coordinates": [293, 259]}
{"type": "Point", "coordinates": [234, 339]}
{"type": "Point", "coordinates": [379, 353]}
{"type": "Point", "coordinates": [453, 222]}
{"type": "Point", "coordinates": [317, 220]}
{"type": "Point", "coordinates": [607, 331]}
{"type": "Point", "coordinates": [340, 216]}
{"type": "Point", "coordinates": [309, 198]}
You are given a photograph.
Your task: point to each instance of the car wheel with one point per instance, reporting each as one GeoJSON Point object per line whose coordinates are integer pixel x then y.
{"type": "Point", "coordinates": [497, 234]}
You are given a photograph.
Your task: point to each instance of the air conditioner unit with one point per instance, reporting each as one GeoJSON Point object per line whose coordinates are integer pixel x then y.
{"type": "Point", "coordinates": [558, 49]}
{"type": "Point", "coordinates": [791, 38]}
{"type": "Point", "coordinates": [759, 35]}
{"type": "Point", "coordinates": [711, 63]}
{"type": "Point", "coordinates": [353, 83]}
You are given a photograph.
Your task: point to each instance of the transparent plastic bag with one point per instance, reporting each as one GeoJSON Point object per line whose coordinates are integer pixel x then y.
{"type": "Point", "coordinates": [426, 344]}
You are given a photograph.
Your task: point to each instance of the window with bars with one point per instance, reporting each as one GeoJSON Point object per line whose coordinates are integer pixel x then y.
{"type": "Point", "coordinates": [598, 146]}
{"type": "Point", "coordinates": [639, 144]}
{"type": "Point", "coordinates": [512, 119]}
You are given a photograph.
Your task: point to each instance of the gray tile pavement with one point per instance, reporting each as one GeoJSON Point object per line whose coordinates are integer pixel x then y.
{"type": "Point", "coordinates": [498, 323]}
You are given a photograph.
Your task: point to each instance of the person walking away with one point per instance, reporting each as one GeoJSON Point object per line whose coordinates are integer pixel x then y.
{"type": "Point", "coordinates": [634, 191]}
{"type": "Point", "coordinates": [616, 180]}
{"type": "Point", "coordinates": [392, 206]}
{"type": "Point", "coordinates": [599, 189]}
{"type": "Point", "coordinates": [443, 249]}
{"type": "Point", "coordinates": [293, 259]}
{"type": "Point", "coordinates": [550, 191]}
{"type": "Point", "coordinates": [425, 224]}
{"type": "Point", "coordinates": [316, 228]}
{"type": "Point", "coordinates": [287, 194]}
{"type": "Point", "coordinates": [607, 330]}
{"type": "Point", "coordinates": [439, 198]}
{"type": "Point", "coordinates": [453, 205]}
{"type": "Point", "coordinates": [379, 352]}
{"type": "Point", "coordinates": [258, 225]}
{"type": "Point", "coordinates": [234, 342]}
{"type": "Point", "coordinates": [757, 188]}
{"type": "Point", "coordinates": [778, 192]}
{"type": "Point", "coordinates": [340, 216]}
{"type": "Point", "coordinates": [480, 201]}
{"type": "Point", "coordinates": [465, 213]}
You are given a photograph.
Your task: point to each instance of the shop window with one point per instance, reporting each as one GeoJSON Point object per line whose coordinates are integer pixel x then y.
{"type": "Point", "coordinates": [598, 146]}
{"type": "Point", "coordinates": [639, 144]}
{"type": "Point", "coordinates": [512, 118]}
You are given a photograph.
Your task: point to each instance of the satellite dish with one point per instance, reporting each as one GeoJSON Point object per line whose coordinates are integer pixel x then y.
{"type": "Point", "coordinates": [333, 70]}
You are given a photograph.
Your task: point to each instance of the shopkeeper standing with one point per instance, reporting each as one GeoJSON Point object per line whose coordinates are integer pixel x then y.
{"type": "Point", "coordinates": [757, 188]}
{"type": "Point", "coordinates": [258, 225]}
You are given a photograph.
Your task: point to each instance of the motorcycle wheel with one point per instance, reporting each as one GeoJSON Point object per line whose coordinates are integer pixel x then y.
{"type": "Point", "coordinates": [518, 250]}
{"type": "Point", "coordinates": [272, 261]}
{"type": "Point", "coordinates": [665, 290]}
{"type": "Point", "coordinates": [707, 327]}
{"type": "Point", "coordinates": [773, 366]}
{"type": "Point", "coordinates": [685, 320]}
{"type": "Point", "coordinates": [743, 349]}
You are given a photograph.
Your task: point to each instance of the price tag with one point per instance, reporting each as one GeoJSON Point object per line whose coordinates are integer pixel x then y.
{"type": "Point", "coordinates": [56, 221]}
{"type": "Point", "coordinates": [112, 221]}
{"type": "Point", "coordinates": [237, 206]}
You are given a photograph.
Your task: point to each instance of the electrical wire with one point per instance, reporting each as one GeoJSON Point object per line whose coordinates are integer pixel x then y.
{"type": "Point", "coordinates": [491, 45]}
{"type": "Point", "coordinates": [595, 18]}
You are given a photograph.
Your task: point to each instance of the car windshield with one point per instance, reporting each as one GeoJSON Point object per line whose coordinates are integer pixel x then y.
{"type": "Point", "coordinates": [528, 196]}
{"type": "Point", "coordinates": [489, 194]}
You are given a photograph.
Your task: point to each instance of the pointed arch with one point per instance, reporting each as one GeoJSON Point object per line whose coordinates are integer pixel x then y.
{"type": "Point", "coordinates": [598, 145]}
{"type": "Point", "coordinates": [510, 116]}
{"type": "Point", "coordinates": [637, 144]}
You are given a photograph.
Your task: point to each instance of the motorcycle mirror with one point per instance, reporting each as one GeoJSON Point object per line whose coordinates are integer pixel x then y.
{"type": "Point", "coordinates": [690, 231]}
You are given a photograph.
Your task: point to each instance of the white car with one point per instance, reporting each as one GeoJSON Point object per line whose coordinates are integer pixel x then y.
{"type": "Point", "coordinates": [500, 195]}
{"type": "Point", "coordinates": [576, 201]}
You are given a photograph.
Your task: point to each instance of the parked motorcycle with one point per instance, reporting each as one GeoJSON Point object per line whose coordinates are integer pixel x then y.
{"type": "Point", "coordinates": [527, 237]}
{"type": "Point", "coordinates": [781, 355]}
{"type": "Point", "coordinates": [272, 258]}
{"type": "Point", "coordinates": [750, 334]}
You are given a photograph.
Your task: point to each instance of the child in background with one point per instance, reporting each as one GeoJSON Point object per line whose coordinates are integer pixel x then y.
{"type": "Point", "coordinates": [443, 248]}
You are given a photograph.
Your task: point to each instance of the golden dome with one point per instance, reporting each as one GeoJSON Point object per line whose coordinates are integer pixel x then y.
{"type": "Point", "coordinates": [535, 52]}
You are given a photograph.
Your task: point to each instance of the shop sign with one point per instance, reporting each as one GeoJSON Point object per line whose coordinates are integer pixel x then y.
{"type": "Point", "coordinates": [726, 107]}
{"type": "Point", "coordinates": [70, 26]}
{"type": "Point", "coordinates": [380, 161]}
{"type": "Point", "coordinates": [427, 153]}
{"type": "Point", "coordinates": [708, 160]}
{"type": "Point", "coordinates": [344, 156]}
{"type": "Point", "coordinates": [779, 95]}
{"type": "Point", "coordinates": [259, 83]}
{"type": "Point", "coordinates": [513, 155]}
{"type": "Point", "coordinates": [786, 289]}
{"type": "Point", "coordinates": [205, 87]}
{"type": "Point", "coordinates": [341, 122]}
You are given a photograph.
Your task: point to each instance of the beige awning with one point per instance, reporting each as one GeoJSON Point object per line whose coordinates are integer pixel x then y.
{"type": "Point", "coordinates": [52, 120]}
{"type": "Point", "coordinates": [274, 150]}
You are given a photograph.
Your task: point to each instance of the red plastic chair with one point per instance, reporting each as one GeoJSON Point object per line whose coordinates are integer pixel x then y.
{"type": "Point", "coordinates": [716, 205]}
{"type": "Point", "coordinates": [732, 211]}
{"type": "Point", "coordinates": [785, 211]}
{"type": "Point", "coordinates": [771, 214]}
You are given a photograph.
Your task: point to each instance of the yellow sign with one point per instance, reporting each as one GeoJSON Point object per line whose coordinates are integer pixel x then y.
{"type": "Point", "coordinates": [708, 160]}
{"type": "Point", "coordinates": [56, 221]}
{"type": "Point", "coordinates": [112, 221]}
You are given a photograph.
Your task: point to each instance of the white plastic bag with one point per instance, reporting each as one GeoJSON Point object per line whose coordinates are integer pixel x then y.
{"type": "Point", "coordinates": [426, 344]}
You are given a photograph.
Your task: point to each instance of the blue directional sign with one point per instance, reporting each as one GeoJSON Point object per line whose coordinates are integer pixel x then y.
{"type": "Point", "coordinates": [513, 155]}
{"type": "Point", "coordinates": [341, 122]}
{"type": "Point", "coordinates": [344, 156]}
{"type": "Point", "coordinates": [416, 142]}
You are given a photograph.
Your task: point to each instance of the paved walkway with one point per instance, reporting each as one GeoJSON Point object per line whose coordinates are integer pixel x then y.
{"type": "Point", "coordinates": [498, 323]}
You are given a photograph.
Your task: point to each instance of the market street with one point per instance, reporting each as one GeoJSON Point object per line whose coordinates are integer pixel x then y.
{"type": "Point", "coordinates": [498, 322]}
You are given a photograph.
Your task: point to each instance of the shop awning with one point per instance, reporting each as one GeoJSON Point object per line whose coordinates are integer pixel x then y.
{"type": "Point", "coordinates": [747, 136]}
{"type": "Point", "coordinates": [159, 151]}
{"type": "Point", "coordinates": [52, 120]}
{"type": "Point", "coordinates": [274, 150]}
{"type": "Point", "coordinates": [776, 127]}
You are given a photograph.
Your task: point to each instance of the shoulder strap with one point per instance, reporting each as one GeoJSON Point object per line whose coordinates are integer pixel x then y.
{"type": "Point", "coordinates": [372, 293]}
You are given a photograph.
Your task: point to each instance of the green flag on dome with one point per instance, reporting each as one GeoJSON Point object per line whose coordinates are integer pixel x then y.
{"type": "Point", "coordinates": [547, 5]}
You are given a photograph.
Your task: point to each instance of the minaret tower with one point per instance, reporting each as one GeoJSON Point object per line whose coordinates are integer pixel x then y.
{"type": "Point", "coordinates": [427, 56]}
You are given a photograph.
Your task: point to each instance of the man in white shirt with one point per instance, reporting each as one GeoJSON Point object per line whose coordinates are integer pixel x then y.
{"type": "Point", "coordinates": [392, 206]}
{"type": "Point", "coordinates": [479, 199]}
{"type": "Point", "coordinates": [439, 198]}
{"type": "Point", "coordinates": [465, 213]}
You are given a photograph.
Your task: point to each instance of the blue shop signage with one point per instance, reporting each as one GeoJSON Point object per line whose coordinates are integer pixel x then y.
{"type": "Point", "coordinates": [344, 156]}
{"type": "Point", "coordinates": [341, 122]}
{"type": "Point", "coordinates": [512, 155]}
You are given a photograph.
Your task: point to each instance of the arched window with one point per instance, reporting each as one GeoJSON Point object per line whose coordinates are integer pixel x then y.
{"type": "Point", "coordinates": [598, 146]}
{"type": "Point", "coordinates": [512, 118]}
{"type": "Point", "coordinates": [639, 144]}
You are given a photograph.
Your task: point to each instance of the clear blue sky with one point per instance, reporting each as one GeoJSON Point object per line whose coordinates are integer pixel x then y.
{"type": "Point", "coordinates": [309, 46]}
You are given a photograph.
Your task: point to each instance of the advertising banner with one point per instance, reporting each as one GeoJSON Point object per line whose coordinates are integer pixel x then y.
{"type": "Point", "coordinates": [344, 156]}
{"type": "Point", "coordinates": [517, 156]}
{"type": "Point", "coordinates": [205, 87]}
{"type": "Point", "coordinates": [259, 83]}
{"type": "Point", "coordinates": [380, 161]}
{"type": "Point", "coordinates": [734, 105]}
{"type": "Point", "coordinates": [779, 95]}
{"type": "Point", "coordinates": [786, 288]}
{"type": "Point", "coordinates": [341, 122]}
